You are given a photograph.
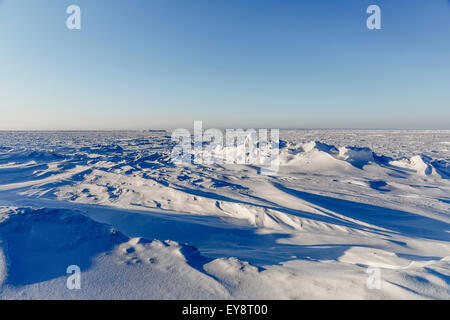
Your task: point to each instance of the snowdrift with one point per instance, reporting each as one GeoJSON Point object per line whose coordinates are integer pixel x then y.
{"type": "Point", "coordinates": [322, 157]}
{"type": "Point", "coordinates": [140, 226]}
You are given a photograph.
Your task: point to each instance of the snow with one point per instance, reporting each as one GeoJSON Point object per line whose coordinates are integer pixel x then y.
{"type": "Point", "coordinates": [342, 203]}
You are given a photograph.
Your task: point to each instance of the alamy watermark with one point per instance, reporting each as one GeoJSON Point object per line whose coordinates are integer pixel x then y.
{"type": "Point", "coordinates": [373, 22]}
{"type": "Point", "coordinates": [73, 22]}
{"type": "Point", "coordinates": [74, 280]}
{"type": "Point", "coordinates": [229, 146]}
{"type": "Point", "coordinates": [374, 280]}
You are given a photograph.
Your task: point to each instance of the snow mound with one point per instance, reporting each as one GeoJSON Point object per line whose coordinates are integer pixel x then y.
{"type": "Point", "coordinates": [442, 167]}
{"type": "Point", "coordinates": [320, 146]}
{"type": "Point", "coordinates": [358, 157]}
{"type": "Point", "coordinates": [419, 164]}
{"type": "Point", "coordinates": [375, 258]}
{"type": "Point", "coordinates": [318, 156]}
{"type": "Point", "coordinates": [39, 244]}
{"type": "Point", "coordinates": [160, 254]}
{"type": "Point", "coordinates": [42, 243]}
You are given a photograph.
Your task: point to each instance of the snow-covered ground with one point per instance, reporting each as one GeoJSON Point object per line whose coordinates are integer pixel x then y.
{"type": "Point", "coordinates": [349, 215]}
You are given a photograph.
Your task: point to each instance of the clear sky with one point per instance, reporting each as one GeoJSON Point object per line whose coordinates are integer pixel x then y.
{"type": "Point", "coordinates": [140, 64]}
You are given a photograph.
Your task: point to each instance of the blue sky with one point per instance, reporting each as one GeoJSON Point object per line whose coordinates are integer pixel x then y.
{"type": "Point", "coordinates": [139, 64]}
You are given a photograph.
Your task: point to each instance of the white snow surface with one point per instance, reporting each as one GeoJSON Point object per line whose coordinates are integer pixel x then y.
{"type": "Point", "coordinates": [343, 204]}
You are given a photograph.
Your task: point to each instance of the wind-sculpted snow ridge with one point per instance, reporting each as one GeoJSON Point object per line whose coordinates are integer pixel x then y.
{"type": "Point", "coordinates": [317, 154]}
{"type": "Point", "coordinates": [341, 204]}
